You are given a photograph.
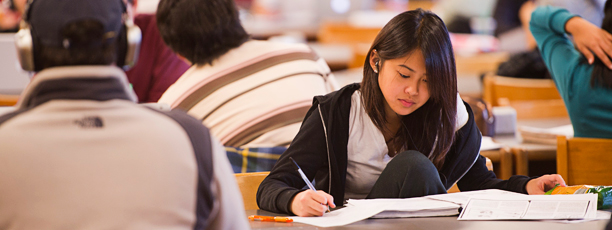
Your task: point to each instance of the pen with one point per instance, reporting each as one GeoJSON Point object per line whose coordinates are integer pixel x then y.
{"type": "Point", "coordinates": [271, 218]}
{"type": "Point", "coordinates": [305, 178]}
{"type": "Point", "coordinates": [303, 175]}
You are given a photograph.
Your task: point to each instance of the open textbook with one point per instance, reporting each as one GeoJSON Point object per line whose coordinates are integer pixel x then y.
{"type": "Point", "coordinates": [427, 206]}
{"type": "Point", "coordinates": [434, 205]}
{"type": "Point", "coordinates": [491, 204]}
{"type": "Point", "coordinates": [533, 207]}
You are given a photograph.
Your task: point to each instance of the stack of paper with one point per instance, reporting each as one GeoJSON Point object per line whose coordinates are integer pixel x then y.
{"type": "Point", "coordinates": [545, 136]}
{"type": "Point", "coordinates": [410, 207]}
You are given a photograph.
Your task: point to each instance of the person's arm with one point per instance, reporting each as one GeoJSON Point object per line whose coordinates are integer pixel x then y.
{"type": "Point", "coordinates": [308, 149]}
{"type": "Point", "coordinates": [525, 16]}
{"type": "Point", "coordinates": [228, 211]}
{"type": "Point", "coordinates": [548, 28]}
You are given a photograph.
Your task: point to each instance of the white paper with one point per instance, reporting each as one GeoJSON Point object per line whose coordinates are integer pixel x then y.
{"type": "Point", "coordinates": [533, 207]}
{"type": "Point", "coordinates": [410, 207]}
{"type": "Point", "coordinates": [487, 143]}
{"type": "Point", "coordinates": [344, 216]}
{"type": "Point", "coordinates": [461, 198]}
{"type": "Point", "coordinates": [601, 215]}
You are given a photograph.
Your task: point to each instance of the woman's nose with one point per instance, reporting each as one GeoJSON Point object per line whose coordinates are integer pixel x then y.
{"type": "Point", "coordinates": [412, 88]}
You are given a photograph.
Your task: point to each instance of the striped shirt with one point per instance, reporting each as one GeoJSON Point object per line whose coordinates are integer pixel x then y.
{"type": "Point", "coordinates": [255, 95]}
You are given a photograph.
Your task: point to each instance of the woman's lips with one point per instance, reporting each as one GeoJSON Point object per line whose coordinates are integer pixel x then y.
{"type": "Point", "coordinates": [406, 103]}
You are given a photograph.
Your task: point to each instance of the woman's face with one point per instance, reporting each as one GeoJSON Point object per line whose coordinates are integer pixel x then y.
{"type": "Point", "coordinates": [403, 82]}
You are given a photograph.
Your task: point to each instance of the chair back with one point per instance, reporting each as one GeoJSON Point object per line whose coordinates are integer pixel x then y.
{"type": "Point", "coordinates": [584, 160]}
{"type": "Point", "coordinates": [8, 100]}
{"type": "Point", "coordinates": [248, 183]}
{"type": "Point", "coordinates": [454, 188]}
{"type": "Point", "coordinates": [531, 98]}
{"type": "Point", "coordinates": [357, 38]}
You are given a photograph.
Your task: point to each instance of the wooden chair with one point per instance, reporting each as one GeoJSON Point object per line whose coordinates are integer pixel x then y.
{"type": "Point", "coordinates": [479, 63]}
{"type": "Point", "coordinates": [532, 98]}
{"type": "Point", "coordinates": [502, 156]}
{"type": "Point", "coordinates": [358, 38]}
{"type": "Point", "coordinates": [8, 100]}
{"type": "Point", "coordinates": [456, 189]}
{"type": "Point", "coordinates": [248, 183]}
{"type": "Point", "coordinates": [584, 160]}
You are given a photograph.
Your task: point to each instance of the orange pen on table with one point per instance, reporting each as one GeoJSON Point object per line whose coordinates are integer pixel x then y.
{"type": "Point", "coordinates": [271, 218]}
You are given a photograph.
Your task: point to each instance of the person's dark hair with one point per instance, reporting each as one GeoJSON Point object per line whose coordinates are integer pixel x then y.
{"type": "Point", "coordinates": [602, 76]}
{"type": "Point", "coordinates": [86, 43]}
{"type": "Point", "coordinates": [200, 31]}
{"type": "Point", "coordinates": [431, 128]}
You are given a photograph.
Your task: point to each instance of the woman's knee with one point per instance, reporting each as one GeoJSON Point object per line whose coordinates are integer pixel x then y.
{"type": "Point", "coordinates": [412, 161]}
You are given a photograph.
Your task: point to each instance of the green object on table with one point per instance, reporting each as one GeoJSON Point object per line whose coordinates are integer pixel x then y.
{"type": "Point", "coordinates": [549, 192]}
{"type": "Point", "coordinates": [604, 196]}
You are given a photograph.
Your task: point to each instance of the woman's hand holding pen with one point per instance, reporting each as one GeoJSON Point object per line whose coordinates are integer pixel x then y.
{"type": "Point", "coordinates": [311, 203]}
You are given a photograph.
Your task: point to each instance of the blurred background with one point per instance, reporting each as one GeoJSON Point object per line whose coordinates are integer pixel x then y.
{"type": "Point", "coordinates": [484, 32]}
{"type": "Point", "coordinates": [490, 38]}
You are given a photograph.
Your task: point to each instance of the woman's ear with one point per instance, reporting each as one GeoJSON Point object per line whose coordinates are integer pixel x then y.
{"type": "Point", "coordinates": [374, 61]}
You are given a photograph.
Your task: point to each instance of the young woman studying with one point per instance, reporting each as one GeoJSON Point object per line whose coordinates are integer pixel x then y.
{"type": "Point", "coordinates": [403, 132]}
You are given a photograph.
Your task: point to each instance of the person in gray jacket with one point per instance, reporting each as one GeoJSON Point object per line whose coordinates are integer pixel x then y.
{"type": "Point", "coordinates": [79, 153]}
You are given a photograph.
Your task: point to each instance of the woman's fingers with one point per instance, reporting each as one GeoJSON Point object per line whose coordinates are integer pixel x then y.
{"type": "Point", "coordinates": [602, 56]}
{"type": "Point", "coordinates": [311, 203]}
{"type": "Point", "coordinates": [586, 52]}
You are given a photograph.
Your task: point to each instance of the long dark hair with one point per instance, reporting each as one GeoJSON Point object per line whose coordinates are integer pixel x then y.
{"type": "Point", "coordinates": [431, 128]}
{"type": "Point", "coordinates": [602, 76]}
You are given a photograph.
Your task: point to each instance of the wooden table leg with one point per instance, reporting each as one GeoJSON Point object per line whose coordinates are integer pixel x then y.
{"type": "Point", "coordinates": [521, 161]}
{"type": "Point", "coordinates": [505, 163]}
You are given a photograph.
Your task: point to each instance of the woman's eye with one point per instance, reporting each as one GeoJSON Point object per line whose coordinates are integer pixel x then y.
{"type": "Point", "coordinates": [424, 80]}
{"type": "Point", "coordinates": [404, 76]}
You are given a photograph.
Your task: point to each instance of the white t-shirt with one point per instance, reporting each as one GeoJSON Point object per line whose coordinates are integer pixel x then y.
{"type": "Point", "coordinates": [367, 150]}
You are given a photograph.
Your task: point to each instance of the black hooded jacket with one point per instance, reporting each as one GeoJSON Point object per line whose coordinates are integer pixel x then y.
{"type": "Point", "coordinates": [320, 148]}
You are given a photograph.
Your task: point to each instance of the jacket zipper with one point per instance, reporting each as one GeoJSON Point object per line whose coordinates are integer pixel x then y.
{"type": "Point", "coordinates": [476, 159]}
{"type": "Point", "coordinates": [327, 146]}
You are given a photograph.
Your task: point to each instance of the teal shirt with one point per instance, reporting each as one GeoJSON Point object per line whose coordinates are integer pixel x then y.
{"type": "Point", "coordinates": [590, 109]}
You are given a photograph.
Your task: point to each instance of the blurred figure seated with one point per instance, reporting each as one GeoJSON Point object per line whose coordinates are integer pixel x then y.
{"type": "Point", "coordinates": [250, 93]}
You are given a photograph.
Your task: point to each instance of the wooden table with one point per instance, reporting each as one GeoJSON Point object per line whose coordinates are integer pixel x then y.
{"type": "Point", "coordinates": [523, 152]}
{"type": "Point", "coordinates": [431, 223]}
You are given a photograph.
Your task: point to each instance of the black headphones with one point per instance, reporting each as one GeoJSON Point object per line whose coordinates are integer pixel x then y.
{"type": "Point", "coordinates": [128, 42]}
